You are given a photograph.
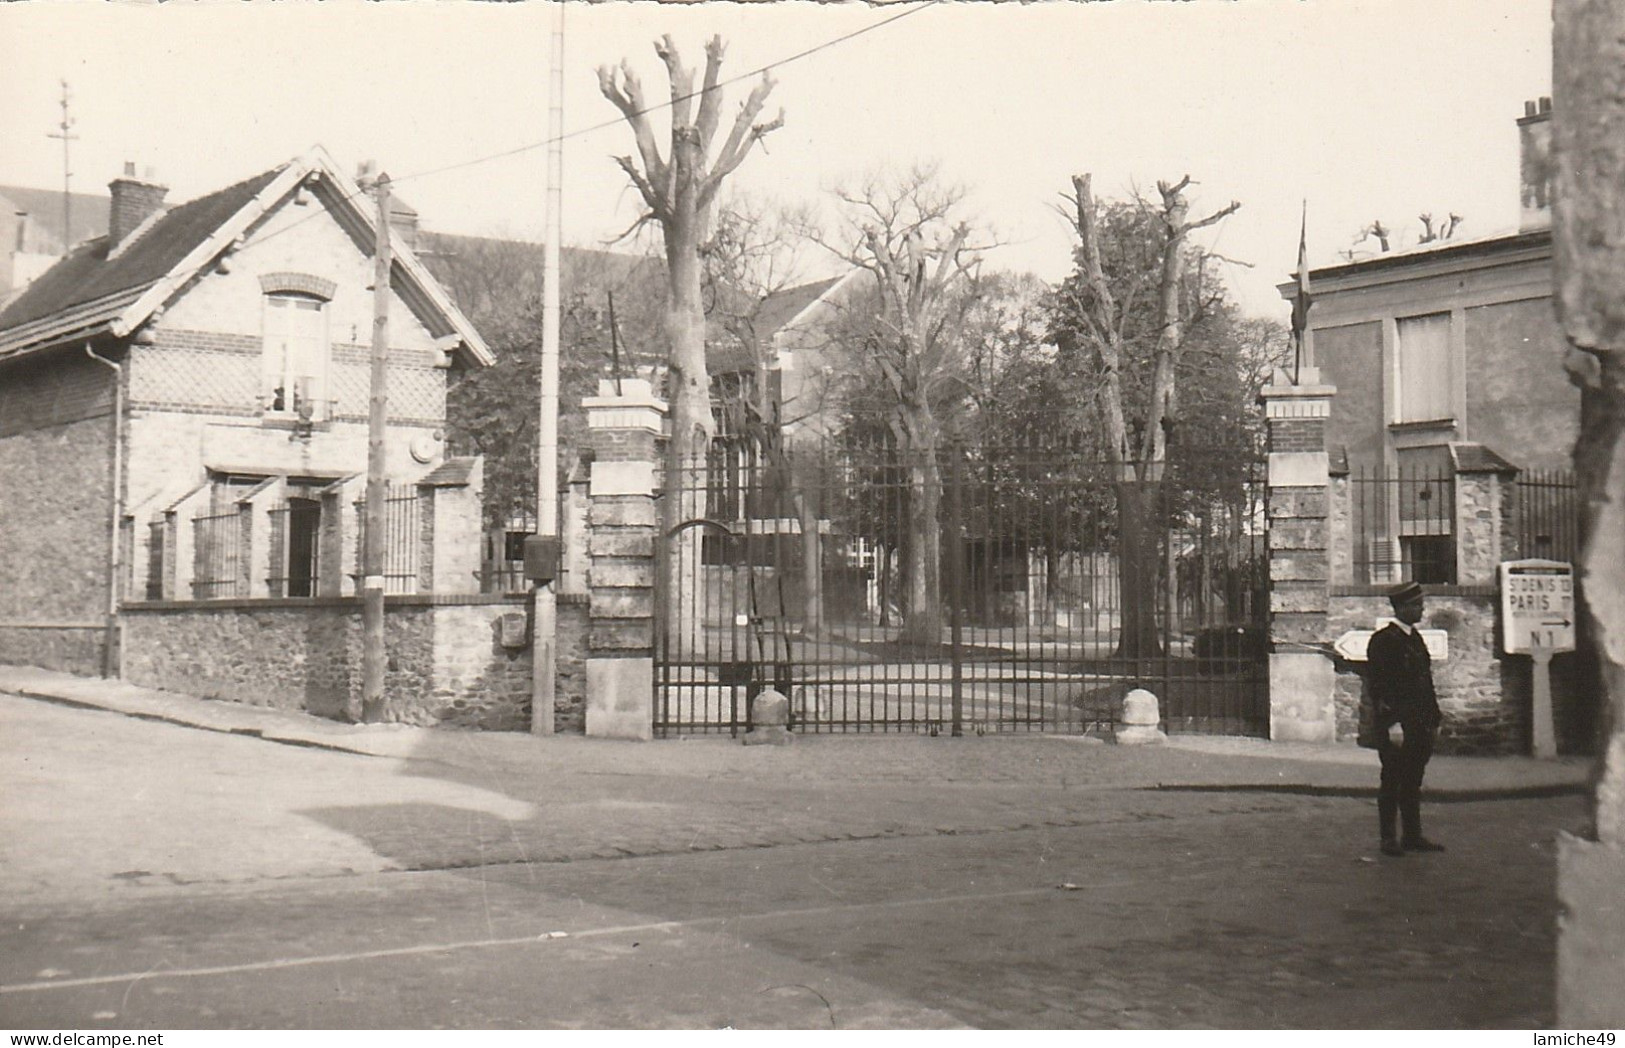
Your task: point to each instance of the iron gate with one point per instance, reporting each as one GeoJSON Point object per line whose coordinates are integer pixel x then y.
{"type": "Point", "coordinates": [982, 590]}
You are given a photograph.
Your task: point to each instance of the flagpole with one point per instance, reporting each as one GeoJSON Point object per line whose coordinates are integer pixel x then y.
{"type": "Point", "coordinates": [1300, 301]}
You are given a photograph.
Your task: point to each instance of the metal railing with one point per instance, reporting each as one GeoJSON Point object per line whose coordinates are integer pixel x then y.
{"type": "Point", "coordinates": [401, 538]}
{"type": "Point", "coordinates": [217, 555]}
{"type": "Point", "coordinates": [983, 588]}
{"type": "Point", "coordinates": [1547, 515]}
{"type": "Point", "coordinates": [1402, 523]}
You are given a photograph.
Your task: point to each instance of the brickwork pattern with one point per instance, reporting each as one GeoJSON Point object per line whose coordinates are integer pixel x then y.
{"type": "Point", "coordinates": [66, 388]}
{"type": "Point", "coordinates": [1298, 434]}
{"type": "Point", "coordinates": [55, 512]}
{"type": "Point", "coordinates": [623, 445]}
{"type": "Point", "coordinates": [302, 283]}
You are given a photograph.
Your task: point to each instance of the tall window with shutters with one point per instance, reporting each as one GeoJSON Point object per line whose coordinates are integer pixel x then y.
{"type": "Point", "coordinates": [295, 357]}
{"type": "Point", "coordinates": [1424, 376]}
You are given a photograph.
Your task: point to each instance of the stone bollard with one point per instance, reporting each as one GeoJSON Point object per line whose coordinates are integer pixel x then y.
{"type": "Point", "coordinates": [770, 715]}
{"type": "Point", "coordinates": [1140, 719]}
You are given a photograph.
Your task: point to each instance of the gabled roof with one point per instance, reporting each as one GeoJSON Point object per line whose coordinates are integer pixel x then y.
{"type": "Point", "coordinates": [103, 288]}
{"type": "Point", "coordinates": [779, 312]}
{"type": "Point", "coordinates": [87, 274]}
{"type": "Point", "coordinates": [87, 212]}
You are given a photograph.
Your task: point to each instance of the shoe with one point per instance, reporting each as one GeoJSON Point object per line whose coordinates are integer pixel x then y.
{"type": "Point", "coordinates": [1393, 848]}
{"type": "Point", "coordinates": [1422, 844]}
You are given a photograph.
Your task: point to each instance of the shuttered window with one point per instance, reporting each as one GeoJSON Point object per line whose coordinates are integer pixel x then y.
{"type": "Point", "coordinates": [1424, 377]}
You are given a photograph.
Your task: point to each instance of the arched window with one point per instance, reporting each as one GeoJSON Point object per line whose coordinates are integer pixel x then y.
{"type": "Point", "coordinates": [295, 355]}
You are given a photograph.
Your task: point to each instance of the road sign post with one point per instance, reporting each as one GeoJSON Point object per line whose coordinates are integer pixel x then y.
{"type": "Point", "coordinates": [1537, 619]}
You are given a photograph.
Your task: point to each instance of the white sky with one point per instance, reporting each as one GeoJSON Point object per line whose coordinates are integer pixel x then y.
{"type": "Point", "coordinates": [1367, 108]}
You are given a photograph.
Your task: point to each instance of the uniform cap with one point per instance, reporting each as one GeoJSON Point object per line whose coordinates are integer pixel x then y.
{"type": "Point", "coordinates": [1404, 592]}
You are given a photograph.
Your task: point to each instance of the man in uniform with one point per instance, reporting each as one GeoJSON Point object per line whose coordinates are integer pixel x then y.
{"type": "Point", "coordinates": [1406, 717]}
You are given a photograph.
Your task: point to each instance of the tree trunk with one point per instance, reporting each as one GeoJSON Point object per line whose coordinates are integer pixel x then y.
{"type": "Point", "coordinates": [1138, 567]}
{"type": "Point", "coordinates": [812, 566]}
{"type": "Point", "coordinates": [683, 578]}
{"type": "Point", "coordinates": [922, 611]}
{"type": "Point", "coordinates": [923, 617]}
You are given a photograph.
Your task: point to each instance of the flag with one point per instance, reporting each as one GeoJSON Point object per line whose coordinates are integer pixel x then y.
{"type": "Point", "coordinates": [1301, 301]}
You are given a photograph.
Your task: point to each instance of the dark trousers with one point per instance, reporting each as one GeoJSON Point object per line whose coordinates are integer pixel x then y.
{"type": "Point", "coordinates": [1401, 791]}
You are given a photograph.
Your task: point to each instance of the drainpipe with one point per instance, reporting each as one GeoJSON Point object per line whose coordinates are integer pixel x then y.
{"type": "Point", "coordinates": [113, 646]}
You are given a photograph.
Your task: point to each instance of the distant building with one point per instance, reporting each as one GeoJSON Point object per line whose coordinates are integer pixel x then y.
{"type": "Point", "coordinates": [1446, 356]}
{"type": "Point", "coordinates": [1451, 341]}
{"type": "Point", "coordinates": [32, 234]}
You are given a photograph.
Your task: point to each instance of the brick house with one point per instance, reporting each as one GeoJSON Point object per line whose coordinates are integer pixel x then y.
{"type": "Point", "coordinates": [183, 408]}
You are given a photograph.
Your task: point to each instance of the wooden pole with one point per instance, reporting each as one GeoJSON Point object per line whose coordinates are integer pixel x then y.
{"type": "Point", "coordinates": [543, 650]}
{"type": "Point", "coordinates": [372, 536]}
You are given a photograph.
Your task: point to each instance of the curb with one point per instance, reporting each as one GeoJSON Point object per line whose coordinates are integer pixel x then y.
{"type": "Point", "coordinates": [1440, 796]}
{"type": "Point", "coordinates": [253, 733]}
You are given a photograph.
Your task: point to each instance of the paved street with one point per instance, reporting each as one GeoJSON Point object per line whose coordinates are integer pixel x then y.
{"type": "Point", "coordinates": [161, 876]}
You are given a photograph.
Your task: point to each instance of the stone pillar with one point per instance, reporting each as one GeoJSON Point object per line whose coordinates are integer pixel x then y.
{"type": "Point", "coordinates": [1481, 480]}
{"type": "Point", "coordinates": [623, 424]}
{"type": "Point", "coordinates": [450, 526]}
{"type": "Point", "coordinates": [1302, 677]}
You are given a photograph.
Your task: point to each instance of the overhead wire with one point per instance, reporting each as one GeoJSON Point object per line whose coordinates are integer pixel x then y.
{"type": "Point", "coordinates": [606, 124]}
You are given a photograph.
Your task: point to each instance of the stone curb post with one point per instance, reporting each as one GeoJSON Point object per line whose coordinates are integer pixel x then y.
{"type": "Point", "coordinates": [623, 524]}
{"type": "Point", "coordinates": [1302, 678]}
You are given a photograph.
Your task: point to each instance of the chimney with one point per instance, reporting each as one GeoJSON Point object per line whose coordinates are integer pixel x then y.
{"type": "Point", "coordinates": [1535, 168]}
{"type": "Point", "coordinates": [134, 201]}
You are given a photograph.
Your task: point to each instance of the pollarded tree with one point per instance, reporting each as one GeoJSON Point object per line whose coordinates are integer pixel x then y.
{"type": "Point", "coordinates": [679, 189]}
{"type": "Point", "coordinates": [1129, 324]}
{"type": "Point", "coordinates": [907, 233]}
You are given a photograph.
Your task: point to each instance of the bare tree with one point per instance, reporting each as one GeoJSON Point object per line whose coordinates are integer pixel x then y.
{"type": "Point", "coordinates": [679, 188]}
{"type": "Point", "coordinates": [1444, 231]}
{"type": "Point", "coordinates": [906, 233]}
{"type": "Point", "coordinates": [1136, 441]}
{"type": "Point", "coordinates": [756, 255]}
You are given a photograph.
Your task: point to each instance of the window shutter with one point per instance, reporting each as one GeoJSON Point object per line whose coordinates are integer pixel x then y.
{"type": "Point", "coordinates": [1425, 379]}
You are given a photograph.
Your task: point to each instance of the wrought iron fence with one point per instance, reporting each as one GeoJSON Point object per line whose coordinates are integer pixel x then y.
{"type": "Point", "coordinates": [401, 538]}
{"type": "Point", "coordinates": [1547, 515]}
{"type": "Point", "coordinates": [155, 558]}
{"type": "Point", "coordinates": [983, 588]}
{"type": "Point", "coordinates": [295, 548]}
{"type": "Point", "coordinates": [217, 545]}
{"type": "Point", "coordinates": [1403, 525]}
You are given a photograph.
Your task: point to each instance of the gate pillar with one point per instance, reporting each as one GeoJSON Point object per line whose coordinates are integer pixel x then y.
{"type": "Point", "coordinates": [1302, 679]}
{"type": "Point", "coordinates": [623, 424]}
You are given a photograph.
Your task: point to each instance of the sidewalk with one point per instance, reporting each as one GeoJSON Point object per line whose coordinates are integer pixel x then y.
{"type": "Point", "coordinates": [1071, 762]}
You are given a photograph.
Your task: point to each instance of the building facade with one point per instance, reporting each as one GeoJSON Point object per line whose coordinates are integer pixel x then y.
{"type": "Point", "coordinates": [183, 409]}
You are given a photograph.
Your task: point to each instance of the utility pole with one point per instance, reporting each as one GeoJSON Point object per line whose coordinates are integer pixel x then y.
{"type": "Point", "coordinates": [372, 533]}
{"type": "Point", "coordinates": [547, 429]}
{"type": "Point", "coordinates": [66, 135]}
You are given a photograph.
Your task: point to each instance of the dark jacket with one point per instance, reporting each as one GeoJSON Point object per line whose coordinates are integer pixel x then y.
{"type": "Point", "coordinates": [1400, 676]}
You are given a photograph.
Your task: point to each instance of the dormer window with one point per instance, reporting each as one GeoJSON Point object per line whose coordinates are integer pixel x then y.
{"type": "Point", "coordinates": [295, 355]}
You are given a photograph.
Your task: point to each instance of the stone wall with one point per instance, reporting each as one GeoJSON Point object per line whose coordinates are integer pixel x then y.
{"type": "Point", "coordinates": [1486, 697]}
{"type": "Point", "coordinates": [570, 660]}
{"type": "Point", "coordinates": [446, 663]}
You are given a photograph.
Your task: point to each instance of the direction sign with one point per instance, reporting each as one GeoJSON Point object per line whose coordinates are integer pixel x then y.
{"type": "Point", "coordinates": [1537, 606]}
